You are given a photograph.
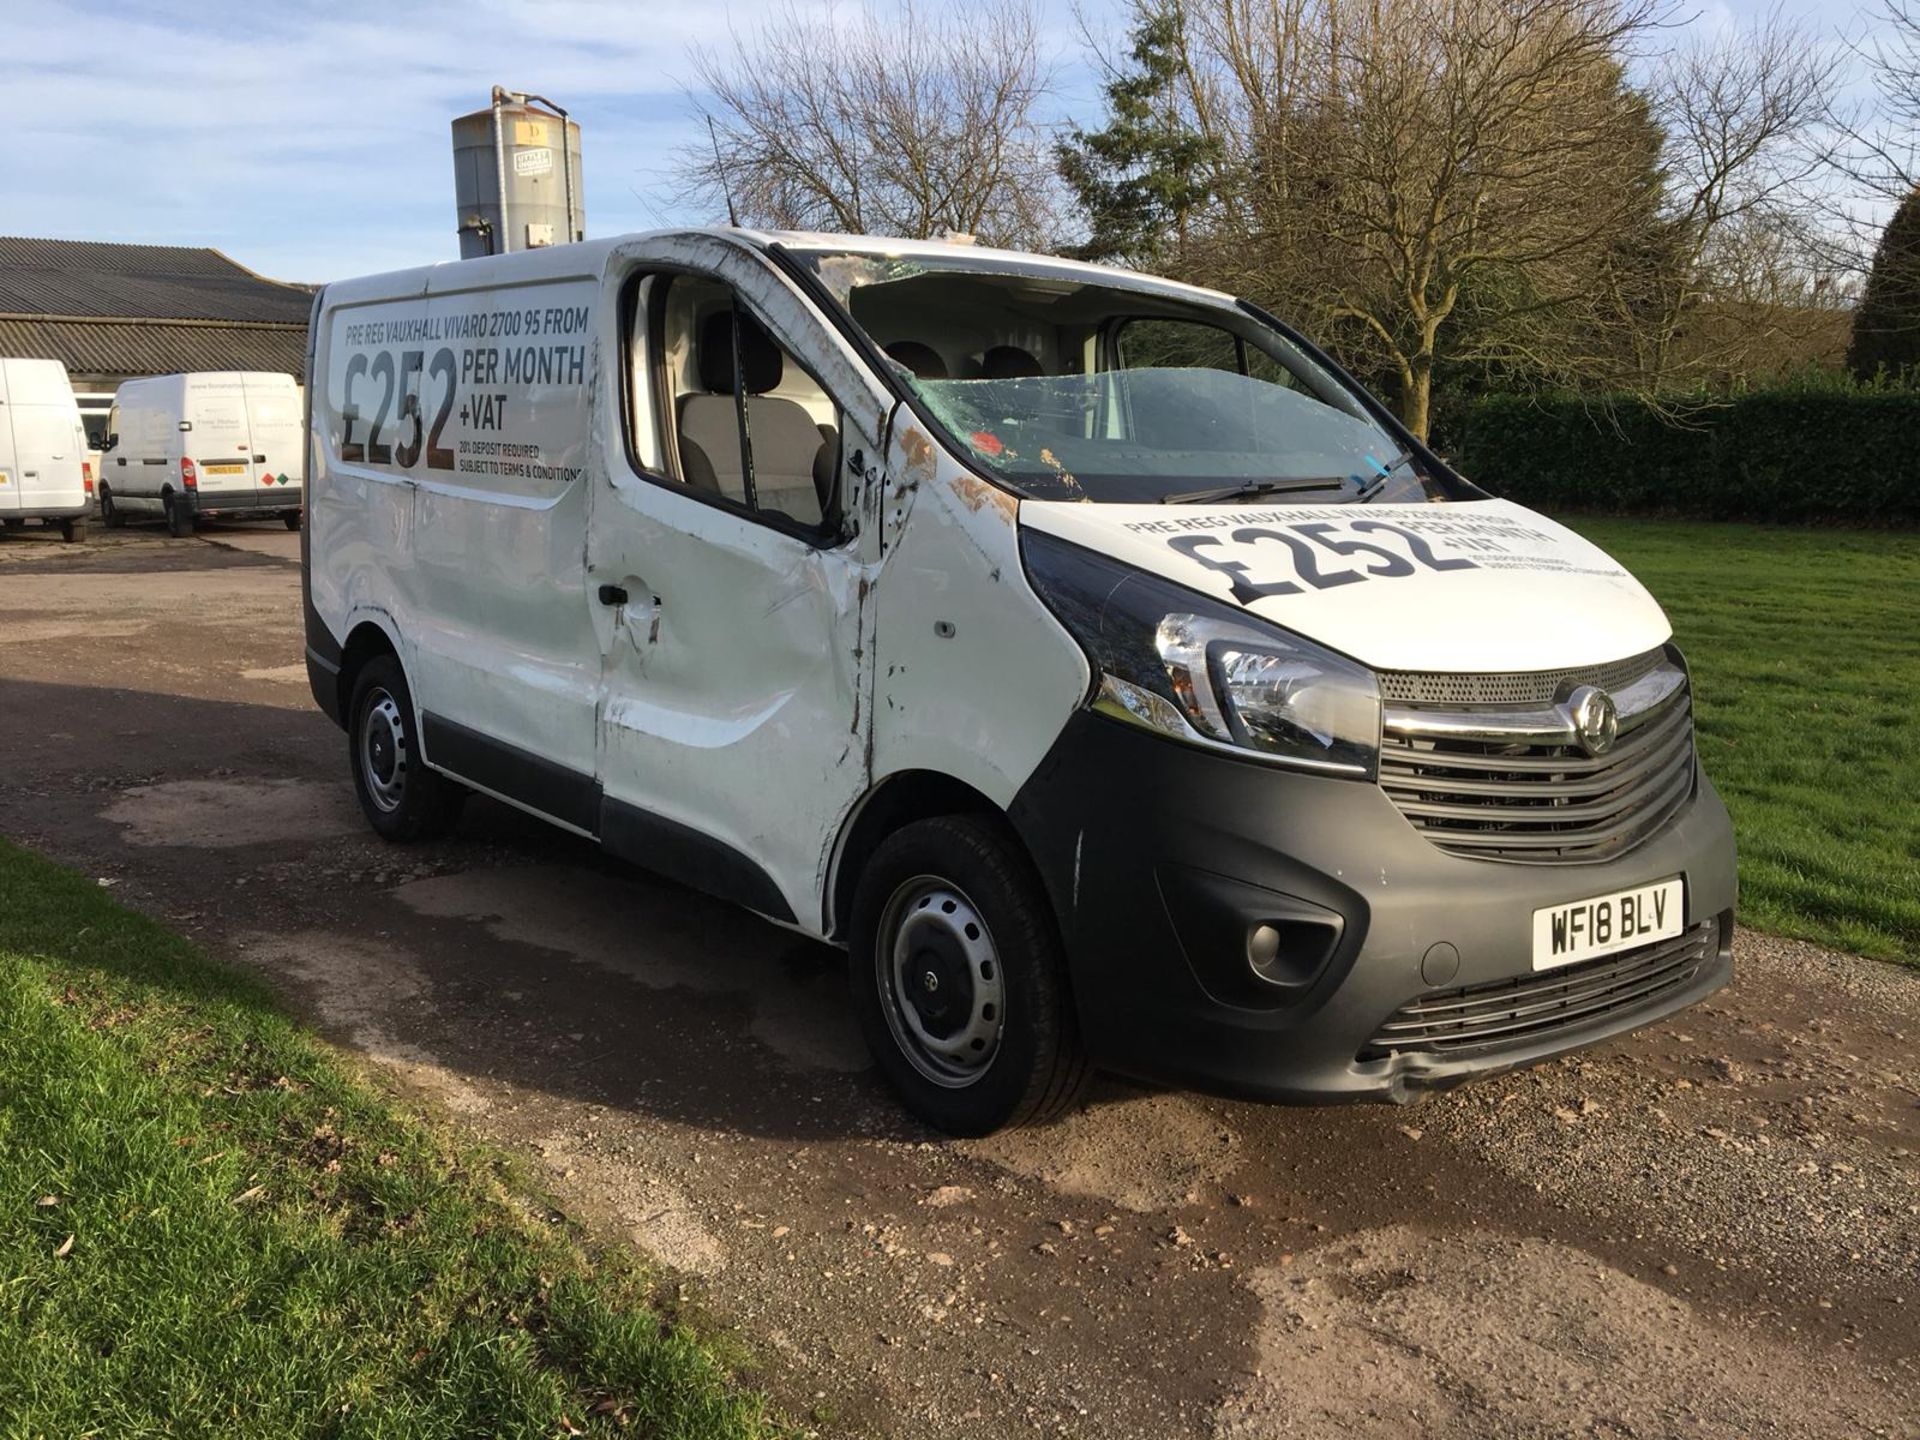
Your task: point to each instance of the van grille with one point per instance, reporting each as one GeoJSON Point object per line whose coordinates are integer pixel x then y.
{"type": "Point", "coordinates": [1508, 1014]}
{"type": "Point", "coordinates": [1492, 797]}
{"type": "Point", "coordinates": [1531, 687]}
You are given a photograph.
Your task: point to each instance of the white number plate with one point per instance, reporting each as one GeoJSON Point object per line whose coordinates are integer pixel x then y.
{"type": "Point", "coordinates": [1585, 929]}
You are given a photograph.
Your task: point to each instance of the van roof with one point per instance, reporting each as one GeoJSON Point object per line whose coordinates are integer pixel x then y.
{"type": "Point", "coordinates": [591, 255]}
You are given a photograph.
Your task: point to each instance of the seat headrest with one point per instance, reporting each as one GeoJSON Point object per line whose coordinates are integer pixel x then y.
{"type": "Point", "coordinates": [1008, 362]}
{"type": "Point", "coordinates": [923, 362]}
{"type": "Point", "coordinates": [761, 364]}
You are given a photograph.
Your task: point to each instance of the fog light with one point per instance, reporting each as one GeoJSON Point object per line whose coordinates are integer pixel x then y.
{"type": "Point", "coordinates": [1263, 948]}
{"type": "Point", "coordinates": [1248, 946]}
{"type": "Point", "coordinates": [1289, 953]}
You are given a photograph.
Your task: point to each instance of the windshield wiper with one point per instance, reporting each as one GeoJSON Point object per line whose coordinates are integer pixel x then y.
{"type": "Point", "coordinates": [1372, 487]}
{"type": "Point", "coordinates": [1249, 490]}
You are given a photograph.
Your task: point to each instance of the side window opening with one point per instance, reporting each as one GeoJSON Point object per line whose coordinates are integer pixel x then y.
{"type": "Point", "coordinates": [751, 425]}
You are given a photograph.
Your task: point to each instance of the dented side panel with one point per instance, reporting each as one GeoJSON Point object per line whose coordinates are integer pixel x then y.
{"type": "Point", "coordinates": [736, 689]}
{"type": "Point", "coordinates": [976, 678]}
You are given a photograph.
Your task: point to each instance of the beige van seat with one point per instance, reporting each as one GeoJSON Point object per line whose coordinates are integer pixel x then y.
{"type": "Point", "coordinates": [793, 458]}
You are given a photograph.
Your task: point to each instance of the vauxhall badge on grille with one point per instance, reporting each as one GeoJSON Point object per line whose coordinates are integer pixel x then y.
{"type": "Point", "coordinates": [1595, 719]}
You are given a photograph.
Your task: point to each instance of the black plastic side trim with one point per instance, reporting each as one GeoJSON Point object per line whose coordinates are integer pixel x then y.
{"type": "Point", "coordinates": [533, 780]}
{"type": "Point", "coordinates": [625, 831]}
{"type": "Point", "coordinates": [323, 678]}
{"type": "Point", "coordinates": [682, 853]}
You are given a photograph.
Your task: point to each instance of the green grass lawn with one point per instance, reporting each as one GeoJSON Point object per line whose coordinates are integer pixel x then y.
{"type": "Point", "coordinates": [209, 1226]}
{"type": "Point", "coordinates": [1805, 649]}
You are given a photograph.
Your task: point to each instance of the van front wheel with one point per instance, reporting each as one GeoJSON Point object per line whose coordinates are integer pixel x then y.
{"type": "Point", "coordinates": [110, 514]}
{"type": "Point", "coordinates": [402, 798]}
{"type": "Point", "coordinates": [959, 980]}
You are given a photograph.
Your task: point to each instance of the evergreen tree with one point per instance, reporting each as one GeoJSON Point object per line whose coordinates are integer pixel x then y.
{"type": "Point", "coordinates": [1886, 326]}
{"type": "Point", "coordinates": [1141, 178]}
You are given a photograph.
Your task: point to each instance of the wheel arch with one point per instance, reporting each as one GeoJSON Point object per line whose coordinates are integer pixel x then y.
{"type": "Point", "coordinates": [897, 800]}
{"type": "Point", "coordinates": [367, 640]}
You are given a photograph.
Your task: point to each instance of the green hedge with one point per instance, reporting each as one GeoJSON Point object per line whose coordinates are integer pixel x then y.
{"type": "Point", "coordinates": [1813, 454]}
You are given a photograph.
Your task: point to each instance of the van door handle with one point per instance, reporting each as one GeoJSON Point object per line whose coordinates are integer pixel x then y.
{"type": "Point", "coordinates": [613, 594]}
{"type": "Point", "coordinates": [259, 459]}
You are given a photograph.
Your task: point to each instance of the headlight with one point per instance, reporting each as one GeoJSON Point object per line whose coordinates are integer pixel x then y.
{"type": "Point", "coordinates": [1188, 666]}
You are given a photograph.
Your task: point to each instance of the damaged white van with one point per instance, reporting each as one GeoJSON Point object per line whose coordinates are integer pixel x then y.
{"type": "Point", "coordinates": [1118, 682]}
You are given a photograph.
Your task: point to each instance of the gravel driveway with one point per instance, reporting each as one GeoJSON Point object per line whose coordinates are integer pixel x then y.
{"type": "Point", "coordinates": [1710, 1228]}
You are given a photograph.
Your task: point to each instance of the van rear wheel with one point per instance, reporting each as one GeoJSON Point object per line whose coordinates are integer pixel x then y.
{"type": "Point", "coordinates": [72, 530]}
{"type": "Point", "coordinates": [291, 519]}
{"type": "Point", "coordinates": [959, 980]}
{"type": "Point", "coordinates": [402, 798]}
{"type": "Point", "coordinates": [179, 517]}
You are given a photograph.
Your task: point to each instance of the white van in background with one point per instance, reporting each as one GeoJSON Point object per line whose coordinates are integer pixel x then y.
{"type": "Point", "coordinates": [186, 447]}
{"type": "Point", "coordinates": [96, 409]}
{"type": "Point", "coordinates": [43, 449]}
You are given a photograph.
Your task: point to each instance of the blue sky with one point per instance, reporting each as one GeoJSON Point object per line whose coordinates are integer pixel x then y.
{"type": "Point", "coordinates": [310, 141]}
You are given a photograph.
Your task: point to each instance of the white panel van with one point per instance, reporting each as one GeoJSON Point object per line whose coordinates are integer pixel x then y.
{"type": "Point", "coordinates": [1104, 669]}
{"type": "Point", "coordinates": [44, 473]}
{"type": "Point", "coordinates": [185, 447]}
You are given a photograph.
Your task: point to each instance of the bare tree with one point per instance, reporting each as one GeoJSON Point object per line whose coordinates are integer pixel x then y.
{"type": "Point", "coordinates": [883, 122]}
{"type": "Point", "coordinates": [1878, 145]}
{"type": "Point", "coordinates": [1394, 160]}
{"type": "Point", "coordinates": [1744, 115]}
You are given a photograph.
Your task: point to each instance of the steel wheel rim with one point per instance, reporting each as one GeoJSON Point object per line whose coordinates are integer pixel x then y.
{"type": "Point", "coordinates": [383, 752]}
{"type": "Point", "coordinates": [942, 985]}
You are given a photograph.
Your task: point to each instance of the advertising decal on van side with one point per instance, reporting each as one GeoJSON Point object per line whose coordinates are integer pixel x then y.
{"type": "Point", "coordinates": [483, 389]}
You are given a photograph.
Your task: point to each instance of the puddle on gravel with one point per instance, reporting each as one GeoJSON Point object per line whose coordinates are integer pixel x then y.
{"type": "Point", "coordinates": [30, 632]}
{"type": "Point", "coordinates": [663, 937]}
{"type": "Point", "coordinates": [279, 674]}
{"type": "Point", "coordinates": [1143, 1153]}
{"type": "Point", "coordinates": [222, 814]}
{"type": "Point", "coordinates": [657, 1217]}
{"type": "Point", "coordinates": [357, 987]}
{"type": "Point", "coordinates": [1393, 1332]}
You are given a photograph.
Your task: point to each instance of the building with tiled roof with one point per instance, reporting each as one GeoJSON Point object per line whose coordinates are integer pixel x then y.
{"type": "Point", "coordinates": [113, 312]}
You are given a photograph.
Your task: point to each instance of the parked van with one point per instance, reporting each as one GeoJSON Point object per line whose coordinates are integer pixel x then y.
{"type": "Point", "coordinates": [96, 408]}
{"type": "Point", "coordinates": [1107, 672]}
{"type": "Point", "coordinates": [43, 449]}
{"type": "Point", "coordinates": [186, 447]}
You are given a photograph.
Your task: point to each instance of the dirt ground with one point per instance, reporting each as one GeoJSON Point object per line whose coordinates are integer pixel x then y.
{"type": "Point", "coordinates": [1710, 1228]}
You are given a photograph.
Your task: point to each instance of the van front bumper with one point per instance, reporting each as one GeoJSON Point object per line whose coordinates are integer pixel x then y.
{"type": "Point", "coordinates": [263, 501]}
{"type": "Point", "coordinates": [1161, 859]}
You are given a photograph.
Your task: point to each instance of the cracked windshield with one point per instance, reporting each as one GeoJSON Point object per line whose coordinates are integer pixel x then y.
{"type": "Point", "coordinates": [1064, 389]}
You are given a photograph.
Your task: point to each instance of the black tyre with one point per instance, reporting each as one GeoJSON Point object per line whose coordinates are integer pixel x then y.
{"type": "Point", "coordinates": [110, 514]}
{"type": "Point", "coordinates": [291, 519]}
{"type": "Point", "coordinates": [402, 798]}
{"type": "Point", "coordinates": [959, 980]}
{"type": "Point", "coordinates": [179, 517]}
{"type": "Point", "coordinates": [73, 530]}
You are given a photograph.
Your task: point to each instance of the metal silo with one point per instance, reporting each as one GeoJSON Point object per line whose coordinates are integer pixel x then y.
{"type": "Point", "coordinates": [516, 176]}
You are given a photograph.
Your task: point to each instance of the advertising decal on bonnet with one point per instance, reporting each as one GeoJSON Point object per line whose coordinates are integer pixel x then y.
{"type": "Point", "coordinates": [1292, 551]}
{"type": "Point", "coordinates": [1481, 585]}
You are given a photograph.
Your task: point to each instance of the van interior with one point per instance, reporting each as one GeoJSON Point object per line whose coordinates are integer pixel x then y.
{"type": "Point", "coordinates": [749, 423]}
{"type": "Point", "coordinates": [1073, 388]}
